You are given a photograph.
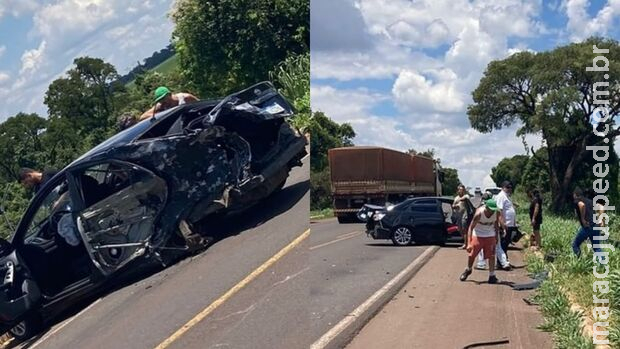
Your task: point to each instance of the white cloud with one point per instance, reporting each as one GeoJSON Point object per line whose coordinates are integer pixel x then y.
{"type": "Point", "coordinates": [32, 59]}
{"type": "Point", "coordinates": [17, 8]}
{"type": "Point", "coordinates": [4, 77]}
{"type": "Point", "coordinates": [457, 145]}
{"type": "Point", "coordinates": [415, 92]}
{"type": "Point", "coordinates": [435, 52]}
{"type": "Point", "coordinates": [581, 25]}
{"type": "Point", "coordinates": [67, 29]}
{"type": "Point", "coordinates": [343, 105]}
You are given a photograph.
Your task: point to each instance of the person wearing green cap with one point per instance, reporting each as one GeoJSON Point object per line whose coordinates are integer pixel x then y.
{"type": "Point", "coordinates": [165, 99]}
{"type": "Point", "coordinates": [482, 235]}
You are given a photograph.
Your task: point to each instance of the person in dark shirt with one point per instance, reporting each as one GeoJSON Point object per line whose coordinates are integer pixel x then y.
{"type": "Point", "coordinates": [33, 179]}
{"type": "Point", "coordinates": [585, 214]}
{"type": "Point", "coordinates": [536, 216]}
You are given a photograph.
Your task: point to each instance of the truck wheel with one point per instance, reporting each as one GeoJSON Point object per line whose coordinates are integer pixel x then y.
{"type": "Point", "coordinates": [344, 219]}
{"type": "Point", "coordinates": [402, 236]}
{"type": "Point", "coordinates": [348, 219]}
{"type": "Point", "coordinates": [26, 329]}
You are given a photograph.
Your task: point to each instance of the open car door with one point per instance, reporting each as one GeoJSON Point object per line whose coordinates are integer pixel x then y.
{"type": "Point", "coordinates": [20, 277]}
{"type": "Point", "coordinates": [120, 204]}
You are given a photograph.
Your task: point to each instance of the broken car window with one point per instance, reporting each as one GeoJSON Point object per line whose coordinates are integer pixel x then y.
{"type": "Point", "coordinates": [56, 202]}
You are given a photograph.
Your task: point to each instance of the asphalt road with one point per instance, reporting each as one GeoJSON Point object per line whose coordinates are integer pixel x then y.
{"type": "Point", "coordinates": [347, 267]}
{"type": "Point", "coordinates": [148, 311]}
{"type": "Point", "coordinates": [292, 303]}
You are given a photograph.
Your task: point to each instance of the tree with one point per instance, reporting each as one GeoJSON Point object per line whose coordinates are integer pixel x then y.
{"type": "Point", "coordinates": [510, 169]}
{"type": "Point", "coordinates": [20, 144]}
{"type": "Point", "coordinates": [85, 97]}
{"type": "Point", "coordinates": [451, 181]}
{"type": "Point", "coordinates": [429, 153]}
{"type": "Point", "coordinates": [551, 93]}
{"type": "Point", "coordinates": [536, 171]}
{"type": "Point", "coordinates": [327, 134]}
{"type": "Point", "coordinates": [224, 45]}
{"type": "Point", "coordinates": [292, 76]}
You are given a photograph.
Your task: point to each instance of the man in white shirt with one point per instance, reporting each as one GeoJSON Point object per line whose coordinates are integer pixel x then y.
{"type": "Point", "coordinates": [505, 204]}
{"type": "Point", "coordinates": [509, 216]}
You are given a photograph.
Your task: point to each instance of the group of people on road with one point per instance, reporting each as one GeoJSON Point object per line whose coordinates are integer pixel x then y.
{"type": "Point", "coordinates": [494, 226]}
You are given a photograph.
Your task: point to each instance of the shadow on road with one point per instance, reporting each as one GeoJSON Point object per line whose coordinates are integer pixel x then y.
{"type": "Point", "coordinates": [274, 206]}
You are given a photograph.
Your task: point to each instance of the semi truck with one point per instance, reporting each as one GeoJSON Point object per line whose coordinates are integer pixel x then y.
{"type": "Point", "coordinates": [375, 175]}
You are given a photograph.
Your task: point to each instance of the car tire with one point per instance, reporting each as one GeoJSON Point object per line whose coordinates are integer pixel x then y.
{"type": "Point", "coordinates": [26, 329]}
{"type": "Point", "coordinates": [402, 236]}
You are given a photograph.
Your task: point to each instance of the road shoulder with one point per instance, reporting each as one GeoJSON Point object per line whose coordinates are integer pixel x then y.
{"type": "Point", "coordinates": [436, 310]}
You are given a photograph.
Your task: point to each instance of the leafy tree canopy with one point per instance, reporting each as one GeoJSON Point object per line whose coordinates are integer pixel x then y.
{"type": "Point", "coordinates": [552, 93]}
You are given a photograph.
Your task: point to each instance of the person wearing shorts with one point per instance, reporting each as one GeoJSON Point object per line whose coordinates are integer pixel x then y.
{"type": "Point", "coordinates": [482, 235]}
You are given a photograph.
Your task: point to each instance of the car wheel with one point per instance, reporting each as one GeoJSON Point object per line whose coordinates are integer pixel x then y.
{"type": "Point", "coordinates": [27, 328]}
{"type": "Point", "coordinates": [402, 236]}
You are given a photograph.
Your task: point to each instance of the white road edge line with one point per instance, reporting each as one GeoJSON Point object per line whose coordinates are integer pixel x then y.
{"type": "Point", "coordinates": [63, 324]}
{"type": "Point", "coordinates": [340, 335]}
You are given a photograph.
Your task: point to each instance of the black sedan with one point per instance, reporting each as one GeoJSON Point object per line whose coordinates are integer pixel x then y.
{"type": "Point", "coordinates": [141, 195]}
{"type": "Point", "coordinates": [417, 220]}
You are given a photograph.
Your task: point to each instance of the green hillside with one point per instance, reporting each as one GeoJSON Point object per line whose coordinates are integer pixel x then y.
{"type": "Point", "coordinates": [164, 67]}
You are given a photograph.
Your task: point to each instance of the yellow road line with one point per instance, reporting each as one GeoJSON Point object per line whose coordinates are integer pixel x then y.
{"type": "Point", "coordinates": [341, 238]}
{"type": "Point", "coordinates": [206, 311]}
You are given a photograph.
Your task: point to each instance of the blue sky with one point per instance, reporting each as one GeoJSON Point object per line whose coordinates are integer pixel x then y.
{"type": "Point", "coordinates": [402, 72]}
{"type": "Point", "coordinates": [40, 38]}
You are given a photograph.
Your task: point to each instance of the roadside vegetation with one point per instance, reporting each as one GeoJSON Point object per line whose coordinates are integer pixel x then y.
{"type": "Point", "coordinates": [217, 47]}
{"type": "Point", "coordinates": [565, 297]}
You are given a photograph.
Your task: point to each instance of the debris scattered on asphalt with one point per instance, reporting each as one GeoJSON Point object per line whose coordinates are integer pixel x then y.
{"type": "Point", "coordinates": [484, 344]}
{"type": "Point", "coordinates": [538, 279]}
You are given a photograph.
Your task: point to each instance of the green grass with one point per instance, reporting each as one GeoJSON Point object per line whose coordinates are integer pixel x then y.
{"type": "Point", "coordinates": [322, 214]}
{"type": "Point", "coordinates": [168, 65]}
{"type": "Point", "coordinates": [164, 67]}
{"type": "Point", "coordinates": [570, 275]}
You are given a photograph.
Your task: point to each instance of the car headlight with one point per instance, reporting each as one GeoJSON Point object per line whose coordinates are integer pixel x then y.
{"type": "Point", "coordinates": [379, 216]}
{"type": "Point", "coordinates": [390, 208]}
{"type": "Point", "coordinates": [363, 216]}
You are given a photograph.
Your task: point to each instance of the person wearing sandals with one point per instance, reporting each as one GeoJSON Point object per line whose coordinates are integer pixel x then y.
{"type": "Point", "coordinates": [502, 257]}
{"type": "Point", "coordinates": [460, 208]}
{"type": "Point", "coordinates": [535, 217]}
{"type": "Point", "coordinates": [483, 232]}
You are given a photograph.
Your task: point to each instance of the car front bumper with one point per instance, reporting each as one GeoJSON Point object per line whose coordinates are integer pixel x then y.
{"type": "Point", "coordinates": [379, 232]}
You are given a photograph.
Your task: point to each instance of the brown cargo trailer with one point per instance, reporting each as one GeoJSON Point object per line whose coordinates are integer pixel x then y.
{"type": "Point", "coordinates": [374, 175]}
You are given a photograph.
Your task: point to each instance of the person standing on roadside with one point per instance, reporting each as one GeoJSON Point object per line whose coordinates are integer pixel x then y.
{"type": "Point", "coordinates": [536, 217]}
{"type": "Point", "coordinates": [482, 233]}
{"type": "Point", "coordinates": [460, 207]}
{"type": "Point", "coordinates": [585, 214]}
{"type": "Point", "coordinates": [509, 215]}
{"type": "Point", "coordinates": [502, 257]}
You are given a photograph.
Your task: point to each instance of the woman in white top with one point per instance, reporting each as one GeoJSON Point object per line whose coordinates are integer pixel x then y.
{"type": "Point", "coordinates": [482, 235]}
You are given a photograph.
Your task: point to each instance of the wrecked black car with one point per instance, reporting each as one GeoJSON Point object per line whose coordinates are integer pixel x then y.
{"type": "Point", "coordinates": [417, 220]}
{"type": "Point", "coordinates": [140, 195]}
